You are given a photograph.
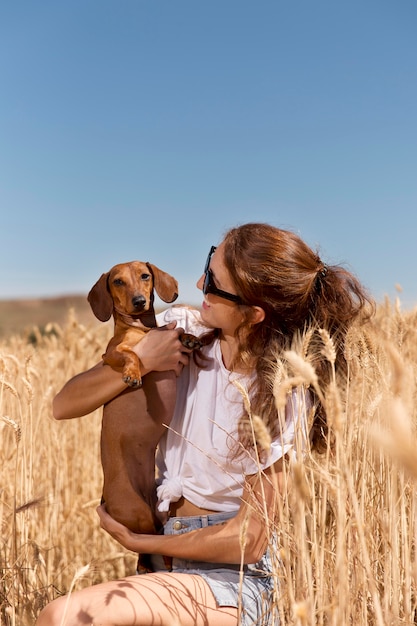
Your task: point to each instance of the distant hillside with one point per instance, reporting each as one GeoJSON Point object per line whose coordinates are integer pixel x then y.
{"type": "Point", "coordinates": [19, 316]}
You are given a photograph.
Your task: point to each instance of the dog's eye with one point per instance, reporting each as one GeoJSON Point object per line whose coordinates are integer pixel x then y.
{"type": "Point", "coordinates": [145, 276]}
{"type": "Point", "coordinates": [118, 282]}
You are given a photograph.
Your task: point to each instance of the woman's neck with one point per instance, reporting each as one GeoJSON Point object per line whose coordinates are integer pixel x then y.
{"type": "Point", "coordinates": [229, 349]}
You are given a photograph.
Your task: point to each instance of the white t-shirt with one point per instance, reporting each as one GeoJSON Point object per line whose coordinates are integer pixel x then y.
{"type": "Point", "coordinates": [199, 457]}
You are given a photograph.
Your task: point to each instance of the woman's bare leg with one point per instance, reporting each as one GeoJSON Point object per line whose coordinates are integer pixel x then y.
{"type": "Point", "coordinates": [160, 599]}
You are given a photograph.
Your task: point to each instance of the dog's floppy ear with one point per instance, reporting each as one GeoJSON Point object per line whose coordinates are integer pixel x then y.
{"type": "Point", "coordinates": [100, 299]}
{"type": "Point", "coordinates": [165, 285]}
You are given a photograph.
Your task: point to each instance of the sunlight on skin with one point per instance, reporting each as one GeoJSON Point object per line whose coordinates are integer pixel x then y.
{"type": "Point", "coordinates": [164, 600]}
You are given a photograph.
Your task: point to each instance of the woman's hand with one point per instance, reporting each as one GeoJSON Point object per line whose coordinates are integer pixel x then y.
{"type": "Point", "coordinates": [119, 532]}
{"type": "Point", "coordinates": [161, 350]}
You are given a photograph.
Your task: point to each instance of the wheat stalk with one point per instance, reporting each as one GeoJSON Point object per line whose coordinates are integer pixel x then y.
{"type": "Point", "coordinates": [79, 574]}
{"type": "Point", "coordinates": [347, 527]}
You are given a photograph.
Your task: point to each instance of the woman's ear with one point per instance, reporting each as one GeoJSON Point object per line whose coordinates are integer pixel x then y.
{"type": "Point", "coordinates": [257, 315]}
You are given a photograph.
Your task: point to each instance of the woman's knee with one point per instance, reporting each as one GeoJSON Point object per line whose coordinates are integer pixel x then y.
{"type": "Point", "coordinates": [52, 614]}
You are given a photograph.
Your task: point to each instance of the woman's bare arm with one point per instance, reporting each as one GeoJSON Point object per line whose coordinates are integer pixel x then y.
{"type": "Point", "coordinates": [87, 391]}
{"type": "Point", "coordinates": [248, 532]}
{"type": "Point", "coordinates": [159, 350]}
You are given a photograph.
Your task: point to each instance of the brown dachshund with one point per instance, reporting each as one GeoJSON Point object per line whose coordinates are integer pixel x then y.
{"type": "Point", "coordinates": [133, 422]}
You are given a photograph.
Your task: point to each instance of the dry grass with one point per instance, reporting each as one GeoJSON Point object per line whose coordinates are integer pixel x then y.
{"type": "Point", "coordinates": [347, 532]}
{"type": "Point", "coordinates": [50, 475]}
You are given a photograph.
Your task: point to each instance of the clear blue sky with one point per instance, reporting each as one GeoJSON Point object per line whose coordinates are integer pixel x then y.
{"type": "Point", "coordinates": [143, 129]}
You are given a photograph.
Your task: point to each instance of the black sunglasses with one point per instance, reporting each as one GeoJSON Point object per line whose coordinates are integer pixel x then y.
{"type": "Point", "coordinates": [210, 287]}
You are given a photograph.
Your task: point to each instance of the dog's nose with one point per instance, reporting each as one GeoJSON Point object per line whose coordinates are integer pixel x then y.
{"type": "Point", "coordinates": [139, 302]}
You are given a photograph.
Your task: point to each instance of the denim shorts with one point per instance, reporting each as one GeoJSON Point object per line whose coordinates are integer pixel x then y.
{"type": "Point", "coordinates": [252, 595]}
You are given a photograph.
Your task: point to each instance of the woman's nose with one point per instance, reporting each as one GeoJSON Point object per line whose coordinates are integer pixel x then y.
{"type": "Point", "coordinates": [200, 282]}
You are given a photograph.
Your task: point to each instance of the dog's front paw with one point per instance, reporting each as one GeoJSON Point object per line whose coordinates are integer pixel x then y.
{"type": "Point", "coordinates": [132, 380]}
{"type": "Point", "coordinates": [190, 341]}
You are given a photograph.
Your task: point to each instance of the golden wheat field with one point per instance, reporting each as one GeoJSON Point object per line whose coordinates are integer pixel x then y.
{"type": "Point", "coordinates": [347, 530]}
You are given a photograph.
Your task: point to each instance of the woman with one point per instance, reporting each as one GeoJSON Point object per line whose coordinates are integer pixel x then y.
{"type": "Point", "coordinates": [220, 479]}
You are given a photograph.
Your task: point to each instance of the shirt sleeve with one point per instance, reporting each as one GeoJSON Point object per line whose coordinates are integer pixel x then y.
{"type": "Point", "coordinates": [186, 318]}
{"type": "Point", "coordinates": [293, 433]}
